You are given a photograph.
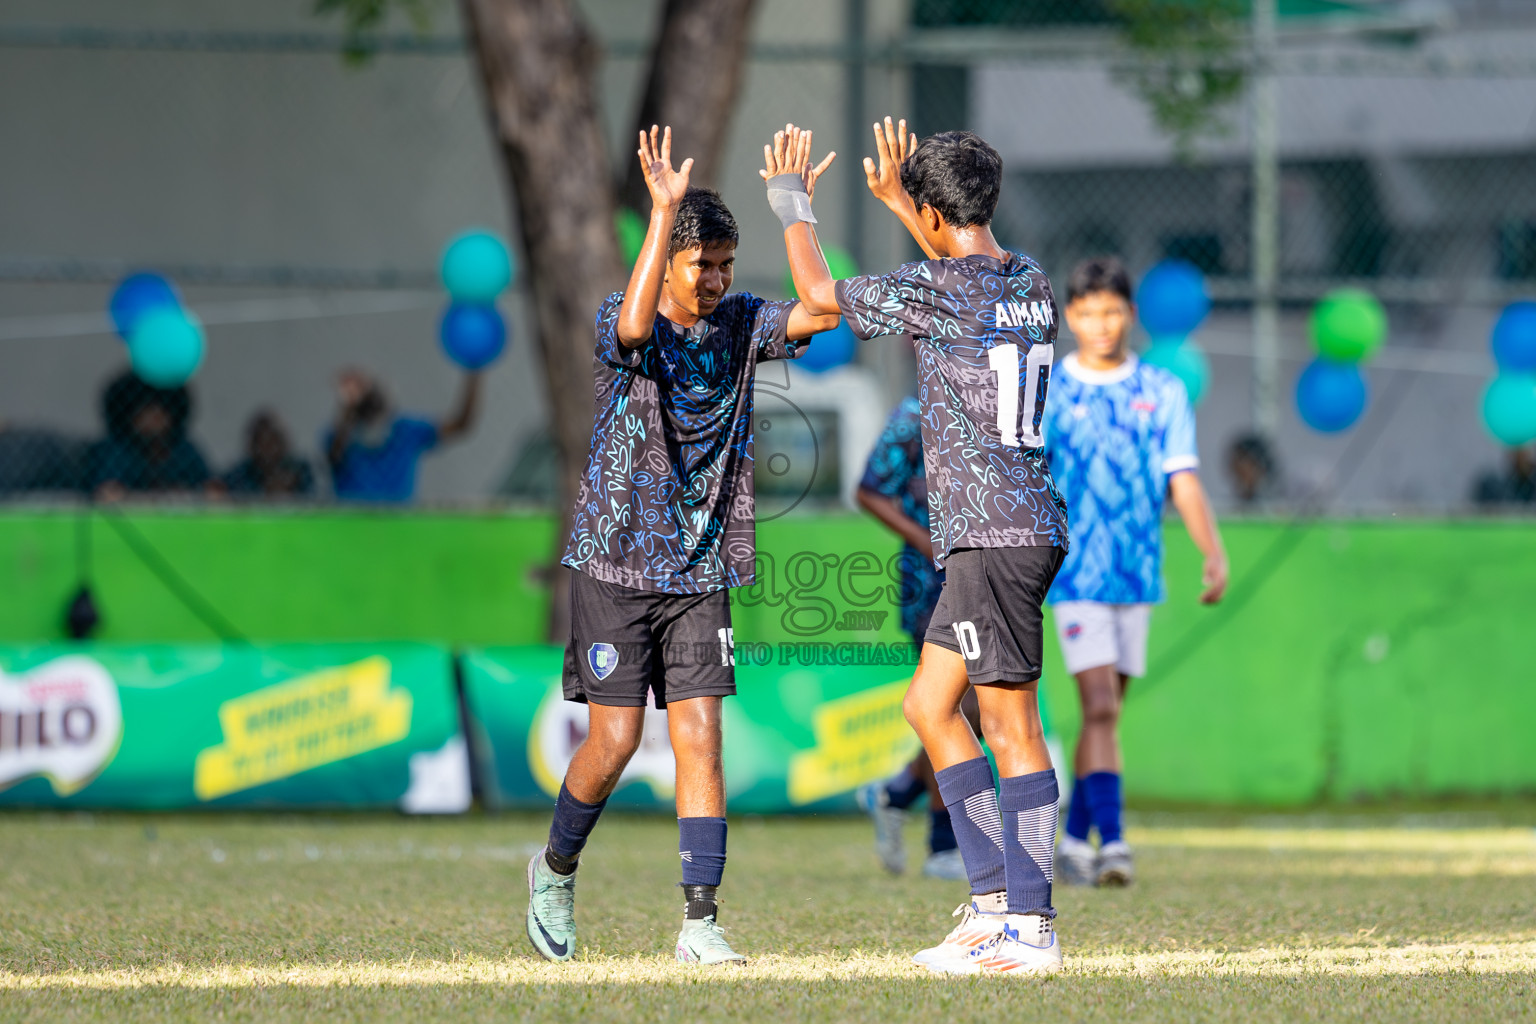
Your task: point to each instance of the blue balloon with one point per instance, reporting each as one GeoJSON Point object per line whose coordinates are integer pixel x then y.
{"type": "Point", "coordinates": [472, 335]}
{"type": "Point", "coordinates": [166, 347]}
{"type": "Point", "coordinates": [1514, 338]}
{"type": "Point", "coordinates": [1509, 408]}
{"type": "Point", "coordinates": [138, 294]}
{"type": "Point", "coordinates": [1186, 361]}
{"type": "Point", "coordinates": [476, 267]}
{"type": "Point", "coordinates": [1171, 299]}
{"type": "Point", "coordinates": [1330, 396]}
{"type": "Point", "coordinates": [829, 349]}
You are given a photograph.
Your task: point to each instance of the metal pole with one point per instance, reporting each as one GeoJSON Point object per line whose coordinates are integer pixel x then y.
{"type": "Point", "coordinates": [855, 25]}
{"type": "Point", "coordinates": [1266, 221]}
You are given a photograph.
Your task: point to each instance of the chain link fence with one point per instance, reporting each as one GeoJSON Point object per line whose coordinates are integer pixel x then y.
{"type": "Point", "coordinates": [300, 203]}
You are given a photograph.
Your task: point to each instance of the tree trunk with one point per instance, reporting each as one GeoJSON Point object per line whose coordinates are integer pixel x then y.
{"type": "Point", "coordinates": [696, 70]}
{"type": "Point", "coordinates": [537, 61]}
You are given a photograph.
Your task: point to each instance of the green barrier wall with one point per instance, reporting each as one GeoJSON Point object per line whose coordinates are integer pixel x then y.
{"type": "Point", "coordinates": [161, 727]}
{"type": "Point", "coordinates": [1352, 658]}
{"type": "Point", "coordinates": [795, 738]}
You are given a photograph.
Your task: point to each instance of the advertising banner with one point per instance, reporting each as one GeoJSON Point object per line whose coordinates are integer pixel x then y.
{"type": "Point", "coordinates": [288, 726]}
{"type": "Point", "coordinates": [798, 735]}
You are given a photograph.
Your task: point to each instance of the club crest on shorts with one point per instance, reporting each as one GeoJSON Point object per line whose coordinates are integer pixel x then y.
{"type": "Point", "coordinates": [603, 658]}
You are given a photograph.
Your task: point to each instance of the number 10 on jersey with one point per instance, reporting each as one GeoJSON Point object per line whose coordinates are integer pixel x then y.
{"type": "Point", "coordinates": [1004, 361]}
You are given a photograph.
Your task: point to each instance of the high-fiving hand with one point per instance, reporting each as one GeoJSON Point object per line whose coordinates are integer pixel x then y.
{"type": "Point", "coordinates": [666, 185]}
{"type": "Point", "coordinates": [791, 154]}
{"type": "Point", "coordinates": [893, 144]}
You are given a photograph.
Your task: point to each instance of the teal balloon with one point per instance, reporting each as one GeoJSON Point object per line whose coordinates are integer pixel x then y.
{"type": "Point", "coordinates": [476, 268]}
{"type": "Point", "coordinates": [1509, 408]}
{"type": "Point", "coordinates": [1184, 360]}
{"type": "Point", "coordinates": [165, 347]}
{"type": "Point", "coordinates": [1348, 325]}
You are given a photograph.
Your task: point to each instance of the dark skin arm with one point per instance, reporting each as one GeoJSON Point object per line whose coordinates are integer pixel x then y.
{"type": "Point", "coordinates": [790, 153]}
{"type": "Point", "coordinates": [350, 389]}
{"type": "Point", "coordinates": [813, 281]}
{"type": "Point", "coordinates": [888, 510]}
{"type": "Point", "coordinates": [458, 424]}
{"type": "Point", "coordinates": [637, 318]}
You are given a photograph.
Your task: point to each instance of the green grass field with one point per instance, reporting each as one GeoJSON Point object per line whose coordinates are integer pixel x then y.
{"type": "Point", "coordinates": [1379, 915]}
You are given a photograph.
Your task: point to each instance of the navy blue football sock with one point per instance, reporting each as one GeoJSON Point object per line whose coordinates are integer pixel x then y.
{"type": "Point", "coordinates": [941, 832]}
{"type": "Point", "coordinates": [1102, 792]}
{"type": "Point", "coordinates": [1079, 821]}
{"type": "Point", "coordinates": [904, 789]}
{"type": "Point", "coordinates": [1028, 806]}
{"type": "Point", "coordinates": [574, 822]}
{"type": "Point", "coordinates": [969, 794]}
{"type": "Point", "coordinates": [701, 843]}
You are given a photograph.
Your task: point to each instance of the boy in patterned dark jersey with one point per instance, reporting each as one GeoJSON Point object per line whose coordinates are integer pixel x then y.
{"type": "Point", "coordinates": [663, 525]}
{"type": "Point", "coordinates": [983, 321]}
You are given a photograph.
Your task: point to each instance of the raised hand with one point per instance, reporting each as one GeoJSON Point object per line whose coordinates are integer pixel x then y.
{"type": "Point", "coordinates": [790, 153]}
{"type": "Point", "coordinates": [893, 144]}
{"type": "Point", "coordinates": [666, 185]}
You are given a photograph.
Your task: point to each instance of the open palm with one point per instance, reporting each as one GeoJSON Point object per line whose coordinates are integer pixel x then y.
{"type": "Point", "coordinates": [666, 185]}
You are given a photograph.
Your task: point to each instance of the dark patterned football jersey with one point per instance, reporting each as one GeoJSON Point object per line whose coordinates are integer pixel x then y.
{"type": "Point", "coordinates": [666, 501]}
{"type": "Point", "coordinates": [984, 332]}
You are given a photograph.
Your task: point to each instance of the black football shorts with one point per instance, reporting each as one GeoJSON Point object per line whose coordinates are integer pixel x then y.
{"type": "Point", "coordinates": [626, 642]}
{"type": "Point", "coordinates": [989, 612]}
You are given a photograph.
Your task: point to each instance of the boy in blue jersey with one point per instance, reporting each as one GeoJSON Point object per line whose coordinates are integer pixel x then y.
{"type": "Point", "coordinates": [1120, 435]}
{"type": "Point", "coordinates": [663, 525]}
{"type": "Point", "coordinates": [983, 323]}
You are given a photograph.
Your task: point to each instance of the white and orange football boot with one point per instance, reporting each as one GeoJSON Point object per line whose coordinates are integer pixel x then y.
{"type": "Point", "coordinates": [975, 931]}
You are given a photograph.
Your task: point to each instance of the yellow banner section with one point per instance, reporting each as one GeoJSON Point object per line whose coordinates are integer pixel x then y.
{"type": "Point", "coordinates": [859, 739]}
{"type": "Point", "coordinates": [306, 722]}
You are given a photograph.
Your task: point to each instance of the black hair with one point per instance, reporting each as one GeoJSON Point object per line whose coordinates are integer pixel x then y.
{"type": "Point", "coordinates": [702, 220]}
{"type": "Point", "coordinates": [957, 174]}
{"type": "Point", "coordinates": [1100, 274]}
{"type": "Point", "coordinates": [127, 395]}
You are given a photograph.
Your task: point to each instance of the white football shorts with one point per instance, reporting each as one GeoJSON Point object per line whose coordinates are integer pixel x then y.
{"type": "Point", "coordinates": [1094, 634]}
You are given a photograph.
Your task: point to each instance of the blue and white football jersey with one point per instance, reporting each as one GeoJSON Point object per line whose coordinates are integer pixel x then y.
{"type": "Point", "coordinates": [1113, 438]}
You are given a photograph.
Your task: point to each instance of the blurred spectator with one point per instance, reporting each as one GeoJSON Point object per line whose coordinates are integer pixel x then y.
{"type": "Point", "coordinates": [1251, 464]}
{"type": "Point", "coordinates": [1515, 486]}
{"type": "Point", "coordinates": [146, 447]}
{"type": "Point", "coordinates": [373, 452]}
{"type": "Point", "coordinates": [269, 469]}
{"type": "Point", "coordinates": [40, 460]}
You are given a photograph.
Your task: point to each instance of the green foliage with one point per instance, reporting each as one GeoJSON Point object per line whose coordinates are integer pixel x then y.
{"type": "Point", "coordinates": [363, 18]}
{"type": "Point", "coordinates": [1189, 66]}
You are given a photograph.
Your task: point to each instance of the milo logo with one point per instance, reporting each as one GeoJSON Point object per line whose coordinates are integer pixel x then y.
{"type": "Point", "coordinates": [61, 720]}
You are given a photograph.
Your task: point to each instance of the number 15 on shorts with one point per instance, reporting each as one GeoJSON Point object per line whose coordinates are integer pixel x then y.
{"type": "Point", "coordinates": [965, 636]}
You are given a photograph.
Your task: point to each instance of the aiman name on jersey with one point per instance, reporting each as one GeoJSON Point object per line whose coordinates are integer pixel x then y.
{"type": "Point", "coordinates": [1024, 314]}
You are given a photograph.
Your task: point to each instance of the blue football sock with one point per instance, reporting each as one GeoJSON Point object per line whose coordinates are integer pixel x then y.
{"type": "Point", "coordinates": [904, 789]}
{"type": "Point", "coordinates": [1028, 805]}
{"type": "Point", "coordinates": [1101, 790]}
{"type": "Point", "coordinates": [574, 822]}
{"type": "Point", "coordinates": [701, 844]}
{"type": "Point", "coordinates": [941, 832]}
{"type": "Point", "coordinates": [1079, 821]}
{"type": "Point", "coordinates": [968, 792]}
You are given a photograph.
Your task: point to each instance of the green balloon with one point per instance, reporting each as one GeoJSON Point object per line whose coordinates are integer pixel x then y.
{"type": "Point", "coordinates": [838, 262]}
{"type": "Point", "coordinates": [1185, 361]}
{"type": "Point", "coordinates": [1348, 325]}
{"type": "Point", "coordinates": [630, 228]}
